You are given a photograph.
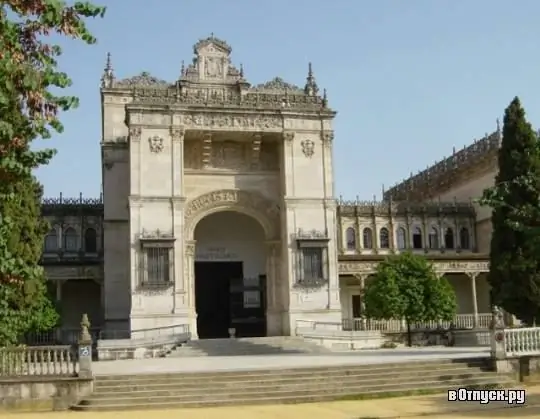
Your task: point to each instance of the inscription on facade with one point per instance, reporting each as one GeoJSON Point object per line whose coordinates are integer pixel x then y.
{"type": "Point", "coordinates": [231, 121]}
{"type": "Point", "coordinates": [214, 253]}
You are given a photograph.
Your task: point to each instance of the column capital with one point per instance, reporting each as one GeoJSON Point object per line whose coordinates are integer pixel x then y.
{"type": "Point", "coordinates": [472, 274]}
{"type": "Point", "coordinates": [190, 247]}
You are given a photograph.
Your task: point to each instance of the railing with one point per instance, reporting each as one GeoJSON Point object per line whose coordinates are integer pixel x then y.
{"type": "Point", "coordinates": [460, 322]}
{"type": "Point", "coordinates": [69, 336]}
{"type": "Point", "coordinates": [38, 361]}
{"type": "Point", "coordinates": [522, 341]}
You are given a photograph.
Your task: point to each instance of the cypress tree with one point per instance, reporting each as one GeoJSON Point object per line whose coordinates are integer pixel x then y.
{"type": "Point", "coordinates": [515, 199]}
{"type": "Point", "coordinates": [24, 304]}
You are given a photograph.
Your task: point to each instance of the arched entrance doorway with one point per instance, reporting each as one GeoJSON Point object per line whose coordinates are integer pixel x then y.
{"type": "Point", "coordinates": [230, 275]}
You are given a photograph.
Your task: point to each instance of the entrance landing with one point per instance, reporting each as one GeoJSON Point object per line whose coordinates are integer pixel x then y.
{"type": "Point", "coordinates": [239, 363]}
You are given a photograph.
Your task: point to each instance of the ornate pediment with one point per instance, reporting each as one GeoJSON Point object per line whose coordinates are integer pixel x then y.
{"type": "Point", "coordinates": [211, 45]}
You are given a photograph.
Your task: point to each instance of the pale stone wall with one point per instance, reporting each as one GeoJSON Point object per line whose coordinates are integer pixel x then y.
{"type": "Point", "coordinates": [116, 181]}
{"type": "Point", "coordinates": [309, 205]}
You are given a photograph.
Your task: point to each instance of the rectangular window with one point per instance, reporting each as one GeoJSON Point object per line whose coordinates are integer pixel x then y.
{"type": "Point", "coordinates": [313, 267]}
{"type": "Point", "coordinates": [157, 266]}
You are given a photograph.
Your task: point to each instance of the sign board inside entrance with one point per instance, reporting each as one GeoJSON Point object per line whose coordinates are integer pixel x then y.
{"type": "Point", "coordinates": [214, 253]}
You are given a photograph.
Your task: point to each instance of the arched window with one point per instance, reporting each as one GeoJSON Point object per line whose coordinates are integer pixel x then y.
{"type": "Point", "coordinates": [90, 240]}
{"type": "Point", "coordinates": [433, 238]}
{"type": "Point", "coordinates": [449, 238]}
{"type": "Point", "coordinates": [70, 240]}
{"type": "Point", "coordinates": [51, 241]}
{"type": "Point", "coordinates": [401, 238]}
{"type": "Point", "coordinates": [367, 238]}
{"type": "Point", "coordinates": [384, 238]}
{"type": "Point", "coordinates": [417, 241]}
{"type": "Point", "coordinates": [464, 238]}
{"type": "Point", "coordinates": [350, 236]}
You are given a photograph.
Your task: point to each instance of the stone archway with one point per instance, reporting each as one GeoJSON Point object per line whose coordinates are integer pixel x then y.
{"type": "Point", "coordinates": [249, 203]}
{"type": "Point", "coordinates": [263, 211]}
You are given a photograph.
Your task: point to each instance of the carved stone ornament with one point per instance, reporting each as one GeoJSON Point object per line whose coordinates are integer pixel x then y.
{"type": "Point", "coordinates": [135, 133]}
{"type": "Point", "coordinates": [308, 148]}
{"type": "Point", "coordinates": [230, 197]}
{"type": "Point", "coordinates": [214, 67]}
{"type": "Point", "coordinates": [156, 144]}
{"type": "Point", "coordinates": [289, 136]}
{"type": "Point", "coordinates": [277, 83]}
{"type": "Point", "coordinates": [232, 121]}
{"type": "Point", "coordinates": [328, 139]}
{"type": "Point", "coordinates": [177, 133]}
{"type": "Point", "coordinates": [144, 79]}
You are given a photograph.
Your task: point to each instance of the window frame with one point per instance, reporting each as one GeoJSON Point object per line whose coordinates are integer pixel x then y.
{"type": "Point", "coordinates": [152, 245]}
{"type": "Point", "coordinates": [303, 245]}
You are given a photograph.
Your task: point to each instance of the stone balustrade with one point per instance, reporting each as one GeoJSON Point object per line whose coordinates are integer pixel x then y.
{"type": "Point", "coordinates": [522, 341]}
{"type": "Point", "coordinates": [38, 361]}
{"type": "Point", "coordinates": [460, 321]}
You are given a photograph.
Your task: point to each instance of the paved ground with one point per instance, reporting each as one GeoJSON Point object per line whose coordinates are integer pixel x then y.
{"type": "Point", "coordinates": [231, 363]}
{"type": "Point", "coordinates": [409, 407]}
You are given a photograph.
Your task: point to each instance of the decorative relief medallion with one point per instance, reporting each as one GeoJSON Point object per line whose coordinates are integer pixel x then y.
{"type": "Point", "coordinates": [135, 133]}
{"type": "Point", "coordinates": [156, 144]}
{"type": "Point", "coordinates": [232, 121]}
{"type": "Point", "coordinates": [308, 148]}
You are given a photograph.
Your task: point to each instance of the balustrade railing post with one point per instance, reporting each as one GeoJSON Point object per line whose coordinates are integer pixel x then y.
{"type": "Point", "coordinates": [498, 338]}
{"type": "Point", "coordinates": [85, 349]}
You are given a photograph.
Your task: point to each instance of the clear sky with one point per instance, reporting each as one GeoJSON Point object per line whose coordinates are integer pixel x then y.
{"type": "Point", "coordinates": [410, 79]}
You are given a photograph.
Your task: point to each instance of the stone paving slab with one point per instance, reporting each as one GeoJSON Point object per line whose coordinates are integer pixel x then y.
{"type": "Point", "coordinates": [404, 407]}
{"type": "Point", "coordinates": [238, 363]}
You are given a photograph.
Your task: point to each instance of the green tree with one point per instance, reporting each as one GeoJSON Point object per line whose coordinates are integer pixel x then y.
{"type": "Point", "coordinates": [406, 287]}
{"type": "Point", "coordinates": [29, 110]}
{"type": "Point", "coordinates": [25, 306]}
{"type": "Point", "coordinates": [515, 200]}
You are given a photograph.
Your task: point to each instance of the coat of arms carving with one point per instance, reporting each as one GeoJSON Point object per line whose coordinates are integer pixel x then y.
{"type": "Point", "coordinates": [308, 148]}
{"type": "Point", "coordinates": [213, 67]}
{"type": "Point", "coordinates": [156, 144]}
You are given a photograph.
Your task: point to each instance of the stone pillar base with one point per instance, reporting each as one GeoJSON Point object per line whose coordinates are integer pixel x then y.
{"type": "Point", "coordinates": [273, 323]}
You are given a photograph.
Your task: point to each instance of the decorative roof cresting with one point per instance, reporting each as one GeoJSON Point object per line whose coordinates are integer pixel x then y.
{"type": "Point", "coordinates": [144, 79]}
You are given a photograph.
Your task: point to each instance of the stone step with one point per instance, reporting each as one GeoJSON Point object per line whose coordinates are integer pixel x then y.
{"type": "Point", "coordinates": [182, 381]}
{"type": "Point", "coordinates": [240, 397]}
{"type": "Point", "coordinates": [275, 385]}
{"type": "Point", "coordinates": [413, 366]}
{"type": "Point", "coordinates": [248, 346]}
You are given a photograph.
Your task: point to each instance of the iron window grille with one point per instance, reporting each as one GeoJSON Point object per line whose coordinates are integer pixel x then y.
{"type": "Point", "coordinates": [156, 263]}
{"type": "Point", "coordinates": [312, 260]}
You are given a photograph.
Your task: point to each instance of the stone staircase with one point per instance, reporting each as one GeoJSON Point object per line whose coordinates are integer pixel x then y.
{"type": "Point", "coordinates": [158, 391]}
{"type": "Point", "coordinates": [274, 345]}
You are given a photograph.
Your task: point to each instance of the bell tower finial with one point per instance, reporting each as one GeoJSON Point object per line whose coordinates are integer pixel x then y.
{"type": "Point", "coordinates": [311, 88]}
{"type": "Point", "coordinates": [107, 79]}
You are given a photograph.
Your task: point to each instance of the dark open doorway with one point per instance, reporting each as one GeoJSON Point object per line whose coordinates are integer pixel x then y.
{"type": "Point", "coordinates": [212, 297]}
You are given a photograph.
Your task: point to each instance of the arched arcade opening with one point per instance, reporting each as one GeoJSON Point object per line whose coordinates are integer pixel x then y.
{"type": "Point", "coordinates": [230, 276]}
